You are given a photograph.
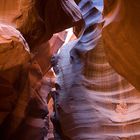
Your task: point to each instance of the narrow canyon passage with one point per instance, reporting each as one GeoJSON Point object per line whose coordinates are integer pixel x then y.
{"type": "Point", "coordinates": [69, 70]}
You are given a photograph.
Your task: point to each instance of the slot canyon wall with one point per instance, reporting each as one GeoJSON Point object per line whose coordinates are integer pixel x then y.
{"type": "Point", "coordinates": [94, 101]}
{"type": "Point", "coordinates": [25, 67]}
{"type": "Point", "coordinates": [93, 98]}
{"type": "Point", "coordinates": [121, 38]}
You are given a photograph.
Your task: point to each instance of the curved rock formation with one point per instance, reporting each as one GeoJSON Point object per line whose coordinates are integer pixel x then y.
{"type": "Point", "coordinates": [25, 120]}
{"type": "Point", "coordinates": [14, 54]}
{"type": "Point", "coordinates": [39, 20]}
{"type": "Point", "coordinates": [23, 105]}
{"type": "Point", "coordinates": [121, 38]}
{"type": "Point", "coordinates": [94, 101]}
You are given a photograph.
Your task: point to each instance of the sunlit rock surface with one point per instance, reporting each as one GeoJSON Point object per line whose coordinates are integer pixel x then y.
{"type": "Point", "coordinates": [14, 50]}
{"type": "Point", "coordinates": [14, 54]}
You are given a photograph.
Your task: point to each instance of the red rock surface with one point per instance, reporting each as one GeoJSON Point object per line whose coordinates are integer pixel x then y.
{"type": "Point", "coordinates": [8, 10]}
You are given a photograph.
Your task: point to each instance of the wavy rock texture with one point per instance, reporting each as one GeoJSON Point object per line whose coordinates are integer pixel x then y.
{"type": "Point", "coordinates": [121, 36]}
{"type": "Point", "coordinates": [23, 107]}
{"type": "Point", "coordinates": [95, 103]}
